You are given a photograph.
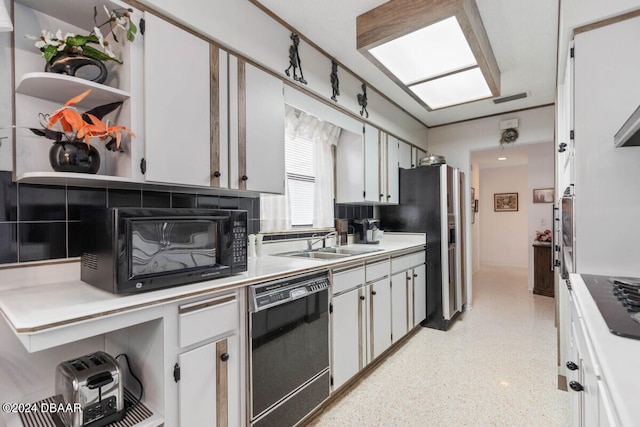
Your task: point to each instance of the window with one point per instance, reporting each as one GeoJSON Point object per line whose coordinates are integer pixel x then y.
{"type": "Point", "coordinates": [301, 181]}
{"type": "Point", "coordinates": [309, 190]}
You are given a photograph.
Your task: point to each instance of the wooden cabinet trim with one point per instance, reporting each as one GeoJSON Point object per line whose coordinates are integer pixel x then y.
{"type": "Point", "coordinates": [215, 115]}
{"type": "Point", "coordinates": [242, 125]}
{"type": "Point", "coordinates": [222, 384]}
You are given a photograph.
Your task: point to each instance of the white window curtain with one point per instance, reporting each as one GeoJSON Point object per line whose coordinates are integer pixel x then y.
{"type": "Point", "coordinates": [276, 210]}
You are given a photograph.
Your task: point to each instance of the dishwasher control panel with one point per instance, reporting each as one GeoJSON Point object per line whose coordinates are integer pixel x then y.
{"type": "Point", "coordinates": [268, 294]}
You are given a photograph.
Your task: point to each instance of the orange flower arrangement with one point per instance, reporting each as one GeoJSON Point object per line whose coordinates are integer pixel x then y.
{"type": "Point", "coordinates": [67, 123]}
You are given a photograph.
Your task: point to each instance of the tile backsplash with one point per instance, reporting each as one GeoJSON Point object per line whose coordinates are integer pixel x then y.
{"type": "Point", "coordinates": [40, 222]}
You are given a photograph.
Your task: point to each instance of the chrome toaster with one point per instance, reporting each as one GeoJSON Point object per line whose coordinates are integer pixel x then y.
{"type": "Point", "coordinates": [93, 385]}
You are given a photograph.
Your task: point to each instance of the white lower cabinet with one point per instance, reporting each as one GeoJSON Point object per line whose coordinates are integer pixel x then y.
{"type": "Point", "coordinates": [207, 384]}
{"type": "Point", "coordinates": [371, 310]}
{"type": "Point", "coordinates": [348, 351]}
{"type": "Point", "coordinates": [589, 399]}
{"type": "Point", "coordinates": [208, 372]}
{"type": "Point", "coordinates": [400, 300]}
{"type": "Point", "coordinates": [419, 285]}
{"type": "Point", "coordinates": [409, 292]}
{"type": "Point", "coordinates": [379, 316]}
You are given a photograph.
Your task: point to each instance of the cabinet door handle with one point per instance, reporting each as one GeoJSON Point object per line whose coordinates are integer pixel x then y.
{"type": "Point", "coordinates": [362, 297]}
{"type": "Point", "coordinates": [373, 292]}
{"type": "Point", "coordinates": [217, 174]}
{"type": "Point", "coordinates": [224, 357]}
{"type": "Point", "coordinates": [415, 275]}
{"type": "Point", "coordinates": [244, 177]}
{"type": "Point", "coordinates": [576, 386]}
{"type": "Point", "coordinates": [572, 366]}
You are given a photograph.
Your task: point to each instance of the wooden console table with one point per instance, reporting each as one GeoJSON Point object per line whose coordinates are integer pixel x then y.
{"type": "Point", "coordinates": [543, 274]}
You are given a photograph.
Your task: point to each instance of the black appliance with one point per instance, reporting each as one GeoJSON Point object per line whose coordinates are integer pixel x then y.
{"type": "Point", "coordinates": [428, 205]}
{"type": "Point", "coordinates": [618, 299]}
{"type": "Point", "coordinates": [289, 352]}
{"type": "Point", "coordinates": [139, 249]}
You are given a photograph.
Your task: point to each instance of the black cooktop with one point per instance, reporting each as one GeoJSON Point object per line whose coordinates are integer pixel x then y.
{"type": "Point", "coordinates": [618, 299]}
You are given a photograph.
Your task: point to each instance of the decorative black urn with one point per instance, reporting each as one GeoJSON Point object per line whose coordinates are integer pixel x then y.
{"type": "Point", "coordinates": [74, 156]}
{"type": "Point", "coordinates": [77, 65]}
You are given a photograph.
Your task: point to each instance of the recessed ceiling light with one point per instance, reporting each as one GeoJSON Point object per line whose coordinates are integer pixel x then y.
{"type": "Point", "coordinates": [437, 51]}
{"type": "Point", "coordinates": [502, 158]}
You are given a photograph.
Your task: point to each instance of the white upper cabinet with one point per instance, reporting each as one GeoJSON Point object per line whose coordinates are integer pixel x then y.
{"type": "Point", "coordinates": [390, 182]}
{"type": "Point", "coordinates": [416, 155]}
{"type": "Point", "coordinates": [405, 155]}
{"type": "Point", "coordinates": [367, 167]}
{"type": "Point", "coordinates": [264, 147]}
{"type": "Point", "coordinates": [371, 164]}
{"type": "Point", "coordinates": [256, 129]}
{"type": "Point", "coordinates": [177, 104]}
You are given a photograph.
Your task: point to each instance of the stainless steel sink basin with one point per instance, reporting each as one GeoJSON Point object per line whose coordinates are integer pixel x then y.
{"type": "Point", "coordinates": [348, 251]}
{"type": "Point", "coordinates": [328, 253]}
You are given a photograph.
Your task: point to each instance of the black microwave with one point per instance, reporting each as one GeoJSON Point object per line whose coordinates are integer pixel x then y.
{"type": "Point", "coordinates": [127, 250]}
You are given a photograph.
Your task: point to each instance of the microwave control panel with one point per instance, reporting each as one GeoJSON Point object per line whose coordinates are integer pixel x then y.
{"type": "Point", "coordinates": [239, 246]}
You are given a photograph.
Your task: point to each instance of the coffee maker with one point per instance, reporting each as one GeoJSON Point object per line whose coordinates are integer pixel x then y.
{"type": "Point", "coordinates": [366, 231]}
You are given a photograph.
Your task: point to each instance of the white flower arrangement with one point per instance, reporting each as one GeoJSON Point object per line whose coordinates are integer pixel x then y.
{"type": "Point", "coordinates": [51, 44]}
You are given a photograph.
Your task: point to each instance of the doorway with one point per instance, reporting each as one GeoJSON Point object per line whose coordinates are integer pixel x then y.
{"type": "Point", "coordinates": [506, 216]}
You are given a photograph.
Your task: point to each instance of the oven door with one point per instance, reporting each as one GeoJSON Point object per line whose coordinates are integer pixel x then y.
{"type": "Point", "coordinates": [289, 359]}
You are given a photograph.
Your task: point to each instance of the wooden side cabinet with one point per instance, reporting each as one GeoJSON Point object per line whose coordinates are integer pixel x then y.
{"type": "Point", "coordinates": [543, 274]}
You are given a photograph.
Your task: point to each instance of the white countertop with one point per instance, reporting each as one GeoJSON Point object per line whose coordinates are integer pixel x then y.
{"type": "Point", "coordinates": [618, 357]}
{"type": "Point", "coordinates": [31, 308]}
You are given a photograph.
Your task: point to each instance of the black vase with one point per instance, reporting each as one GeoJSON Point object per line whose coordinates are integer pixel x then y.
{"type": "Point", "coordinates": [74, 157]}
{"type": "Point", "coordinates": [77, 65]}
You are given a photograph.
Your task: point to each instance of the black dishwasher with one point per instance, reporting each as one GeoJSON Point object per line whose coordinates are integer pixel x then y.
{"type": "Point", "coordinates": [289, 353]}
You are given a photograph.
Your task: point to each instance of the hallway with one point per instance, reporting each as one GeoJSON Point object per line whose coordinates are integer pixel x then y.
{"type": "Point", "coordinates": [495, 367]}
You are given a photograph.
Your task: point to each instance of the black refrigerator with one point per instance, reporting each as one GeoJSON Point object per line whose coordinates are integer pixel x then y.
{"type": "Point", "coordinates": [429, 203]}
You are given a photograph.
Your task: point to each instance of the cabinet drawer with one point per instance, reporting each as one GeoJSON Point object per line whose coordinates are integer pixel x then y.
{"type": "Point", "coordinates": [206, 319]}
{"type": "Point", "coordinates": [344, 280]}
{"type": "Point", "coordinates": [377, 270]}
{"type": "Point", "coordinates": [406, 262]}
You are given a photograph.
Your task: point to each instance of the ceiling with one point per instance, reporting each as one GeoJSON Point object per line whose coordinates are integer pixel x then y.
{"type": "Point", "coordinates": [522, 33]}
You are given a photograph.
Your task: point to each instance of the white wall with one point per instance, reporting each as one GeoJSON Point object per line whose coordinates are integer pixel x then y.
{"type": "Point", "coordinates": [243, 27]}
{"type": "Point", "coordinates": [503, 235]}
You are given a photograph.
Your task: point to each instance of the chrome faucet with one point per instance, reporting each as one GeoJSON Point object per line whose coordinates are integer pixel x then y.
{"type": "Point", "coordinates": [311, 242]}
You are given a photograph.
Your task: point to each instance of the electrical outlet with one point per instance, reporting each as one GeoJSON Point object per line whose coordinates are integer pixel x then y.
{"type": "Point", "coordinates": [542, 222]}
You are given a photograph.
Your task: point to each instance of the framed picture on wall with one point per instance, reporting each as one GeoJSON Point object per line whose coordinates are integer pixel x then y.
{"type": "Point", "coordinates": [505, 202]}
{"type": "Point", "coordinates": [543, 195]}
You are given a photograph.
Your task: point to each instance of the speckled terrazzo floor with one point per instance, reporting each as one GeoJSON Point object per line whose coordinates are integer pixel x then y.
{"type": "Point", "coordinates": [496, 366]}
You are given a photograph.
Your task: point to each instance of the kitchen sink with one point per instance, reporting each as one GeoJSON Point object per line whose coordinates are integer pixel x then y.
{"type": "Point", "coordinates": [328, 253]}
{"type": "Point", "coordinates": [348, 251]}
